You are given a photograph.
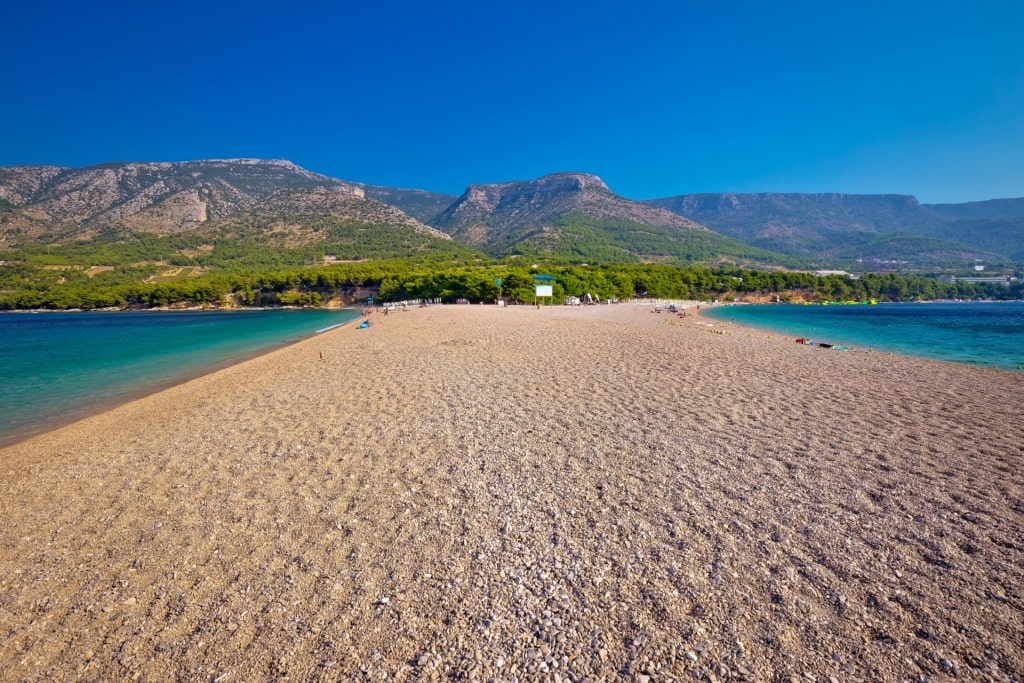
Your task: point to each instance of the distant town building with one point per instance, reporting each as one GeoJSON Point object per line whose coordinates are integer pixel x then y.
{"type": "Point", "coordinates": [1000, 279]}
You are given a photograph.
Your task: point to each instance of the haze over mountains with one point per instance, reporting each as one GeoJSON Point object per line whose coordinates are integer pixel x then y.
{"type": "Point", "coordinates": [568, 215]}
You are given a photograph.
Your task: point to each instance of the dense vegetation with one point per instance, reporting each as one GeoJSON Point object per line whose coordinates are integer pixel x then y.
{"type": "Point", "coordinates": [580, 238]}
{"type": "Point", "coordinates": [23, 286]}
{"type": "Point", "coordinates": [265, 260]}
{"type": "Point", "coordinates": [245, 243]}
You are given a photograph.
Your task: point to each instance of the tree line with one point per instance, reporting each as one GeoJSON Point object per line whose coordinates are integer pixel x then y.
{"type": "Point", "coordinates": [22, 287]}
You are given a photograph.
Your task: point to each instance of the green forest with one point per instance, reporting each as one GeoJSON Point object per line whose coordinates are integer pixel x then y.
{"type": "Point", "coordinates": [24, 286]}
{"type": "Point", "coordinates": [253, 260]}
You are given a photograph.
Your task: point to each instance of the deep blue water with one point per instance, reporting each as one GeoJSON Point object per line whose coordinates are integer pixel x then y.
{"type": "Point", "coordinates": [986, 334]}
{"type": "Point", "coordinates": [55, 367]}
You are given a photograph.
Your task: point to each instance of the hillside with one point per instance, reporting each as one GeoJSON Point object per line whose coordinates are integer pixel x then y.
{"type": "Point", "coordinates": [986, 210]}
{"type": "Point", "coordinates": [218, 213]}
{"type": "Point", "coordinates": [576, 216]}
{"type": "Point", "coordinates": [16, 227]}
{"type": "Point", "coordinates": [302, 226]}
{"type": "Point", "coordinates": [485, 214]}
{"type": "Point", "coordinates": [160, 198]}
{"type": "Point", "coordinates": [114, 208]}
{"type": "Point", "coordinates": [294, 208]}
{"type": "Point", "coordinates": [878, 231]}
{"type": "Point", "coordinates": [422, 205]}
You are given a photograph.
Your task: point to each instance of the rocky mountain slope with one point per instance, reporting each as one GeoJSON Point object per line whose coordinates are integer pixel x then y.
{"type": "Point", "coordinates": [577, 217]}
{"type": "Point", "coordinates": [150, 197]}
{"type": "Point", "coordinates": [303, 205]}
{"type": "Point", "coordinates": [571, 215]}
{"type": "Point", "coordinates": [324, 222]}
{"type": "Point", "coordinates": [485, 214]}
{"type": "Point", "coordinates": [250, 211]}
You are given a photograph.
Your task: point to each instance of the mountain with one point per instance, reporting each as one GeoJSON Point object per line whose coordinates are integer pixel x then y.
{"type": "Point", "coordinates": [991, 209]}
{"type": "Point", "coordinates": [311, 223]}
{"type": "Point", "coordinates": [300, 206]}
{"type": "Point", "coordinates": [996, 225]}
{"type": "Point", "coordinates": [577, 217]}
{"type": "Point", "coordinates": [422, 205]}
{"type": "Point", "coordinates": [162, 198]}
{"type": "Point", "coordinates": [258, 212]}
{"type": "Point", "coordinates": [807, 223]}
{"type": "Point", "coordinates": [280, 205]}
{"type": "Point", "coordinates": [876, 230]}
{"type": "Point", "coordinates": [572, 216]}
{"type": "Point", "coordinates": [484, 214]}
{"type": "Point", "coordinates": [17, 227]}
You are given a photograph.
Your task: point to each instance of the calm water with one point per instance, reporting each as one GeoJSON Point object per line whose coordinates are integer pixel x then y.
{"type": "Point", "coordinates": [988, 334]}
{"type": "Point", "coordinates": [55, 367]}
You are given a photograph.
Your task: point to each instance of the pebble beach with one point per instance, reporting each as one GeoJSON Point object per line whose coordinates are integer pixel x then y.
{"type": "Point", "coordinates": [475, 493]}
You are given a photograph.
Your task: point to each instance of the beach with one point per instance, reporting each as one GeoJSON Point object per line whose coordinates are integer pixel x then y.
{"type": "Point", "coordinates": [512, 494]}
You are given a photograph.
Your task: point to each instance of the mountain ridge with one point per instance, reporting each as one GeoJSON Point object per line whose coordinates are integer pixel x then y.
{"type": "Point", "coordinates": [161, 197]}
{"type": "Point", "coordinates": [836, 226]}
{"type": "Point", "coordinates": [559, 213]}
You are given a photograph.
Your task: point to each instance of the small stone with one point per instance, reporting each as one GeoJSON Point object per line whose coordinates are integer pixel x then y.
{"type": "Point", "coordinates": [945, 664]}
{"type": "Point", "coordinates": [692, 656]}
{"type": "Point", "coordinates": [970, 517]}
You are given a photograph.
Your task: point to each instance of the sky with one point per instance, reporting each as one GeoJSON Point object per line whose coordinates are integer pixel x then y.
{"type": "Point", "coordinates": [658, 98]}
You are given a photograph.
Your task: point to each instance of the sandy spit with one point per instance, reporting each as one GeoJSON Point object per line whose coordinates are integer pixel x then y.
{"type": "Point", "coordinates": [475, 493]}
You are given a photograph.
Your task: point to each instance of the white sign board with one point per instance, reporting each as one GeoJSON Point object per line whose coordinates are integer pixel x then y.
{"type": "Point", "coordinates": [544, 290]}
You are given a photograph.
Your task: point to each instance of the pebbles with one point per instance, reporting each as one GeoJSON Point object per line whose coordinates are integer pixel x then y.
{"type": "Point", "coordinates": [580, 495]}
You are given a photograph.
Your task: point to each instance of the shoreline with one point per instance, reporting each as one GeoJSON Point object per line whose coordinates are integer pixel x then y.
{"type": "Point", "coordinates": [511, 493]}
{"type": "Point", "coordinates": [16, 436]}
{"type": "Point", "coordinates": [944, 352]}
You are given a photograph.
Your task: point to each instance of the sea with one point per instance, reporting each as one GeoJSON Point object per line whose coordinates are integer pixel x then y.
{"type": "Point", "coordinates": [61, 366]}
{"type": "Point", "coordinates": [987, 334]}
{"type": "Point", "coordinates": [58, 367]}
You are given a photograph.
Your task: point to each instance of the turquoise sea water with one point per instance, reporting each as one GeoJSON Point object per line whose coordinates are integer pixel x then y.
{"type": "Point", "coordinates": [976, 333]}
{"type": "Point", "coordinates": [55, 367]}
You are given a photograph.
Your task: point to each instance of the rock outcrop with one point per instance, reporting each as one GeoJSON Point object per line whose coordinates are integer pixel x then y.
{"type": "Point", "coordinates": [485, 214]}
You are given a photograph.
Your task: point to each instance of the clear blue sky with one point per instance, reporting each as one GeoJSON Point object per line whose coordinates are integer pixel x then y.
{"type": "Point", "coordinates": [657, 98]}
